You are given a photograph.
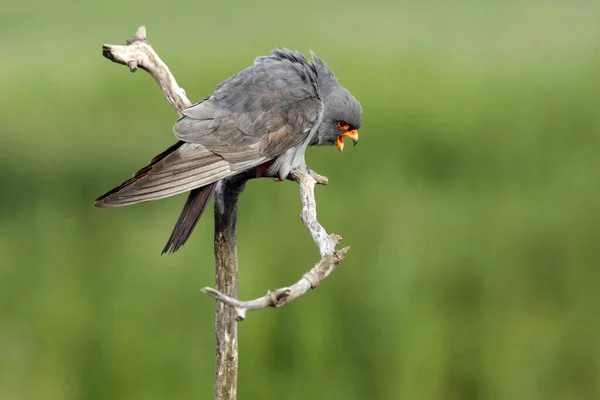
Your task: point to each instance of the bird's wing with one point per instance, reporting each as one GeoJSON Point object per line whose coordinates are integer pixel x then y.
{"type": "Point", "coordinates": [260, 112]}
{"type": "Point", "coordinates": [180, 168]}
{"type": "Point", "coordinates": [251, 118]}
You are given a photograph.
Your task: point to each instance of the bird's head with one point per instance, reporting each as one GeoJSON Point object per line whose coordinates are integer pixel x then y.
{"type": "Point", "coordinates": [341, 119]}
{"type": "Point", "coordinates": [342, 113]}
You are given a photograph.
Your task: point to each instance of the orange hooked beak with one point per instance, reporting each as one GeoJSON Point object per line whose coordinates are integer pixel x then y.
{"type": "Point", "coordinates": [339, 141]}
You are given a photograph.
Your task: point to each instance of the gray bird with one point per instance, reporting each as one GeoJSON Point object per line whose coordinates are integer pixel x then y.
{"type": "Point", "coordinates": [259, 121]}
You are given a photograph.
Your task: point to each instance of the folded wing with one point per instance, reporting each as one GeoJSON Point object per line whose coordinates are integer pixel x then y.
{"type": "Point", "coordinates": [182, 167]}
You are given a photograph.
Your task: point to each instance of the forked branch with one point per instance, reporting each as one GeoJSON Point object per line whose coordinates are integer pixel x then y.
{"type": "Point", "coordinates": [138, 53]}
{"type": "Point", "coordinates": [330, 258]}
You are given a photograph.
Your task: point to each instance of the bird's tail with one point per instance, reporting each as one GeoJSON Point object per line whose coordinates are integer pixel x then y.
{"type": "Point", "coordinates": [193, 209]}
{"type": "Point", "coordinates": [180, 168]}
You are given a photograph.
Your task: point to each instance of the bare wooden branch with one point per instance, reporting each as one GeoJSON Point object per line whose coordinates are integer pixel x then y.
{"type": "Point", "coordinates": [309, 211]}
{"type": "Point", "coordinates": [226, 274]}
{"type": "Point", "coordinates": [138, 53]}
{"type": "Point", "coordinates": [330, 258]}
{"type": "Point", "coordinates": [320, 179]}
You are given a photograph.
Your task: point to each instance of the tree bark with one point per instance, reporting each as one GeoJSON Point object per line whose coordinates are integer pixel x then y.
{"type": "Point", "coordinates": [226, 273]}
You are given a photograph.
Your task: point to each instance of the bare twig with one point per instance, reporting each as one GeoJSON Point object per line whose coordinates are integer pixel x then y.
{"type": "Point", "coordinates": [309, 210]}
{"type": "Point", "coordinates": [310, 280]}
{"type": "Point", "coordinates": [320, 179]}
{"type": "Point", "coordinates": [138, 53]}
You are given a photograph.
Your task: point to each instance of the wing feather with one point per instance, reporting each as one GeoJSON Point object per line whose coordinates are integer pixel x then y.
{"type": "Point", "coordinates": [261, 112]}
{"type": "Point", "coordinates": [185, 167]}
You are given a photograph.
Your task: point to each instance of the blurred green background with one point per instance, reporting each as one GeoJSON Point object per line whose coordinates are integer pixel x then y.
{"type": "Point", "coordinates": [471, 205]}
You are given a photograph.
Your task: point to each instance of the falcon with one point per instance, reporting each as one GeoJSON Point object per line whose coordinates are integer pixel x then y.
{"type": "Point", "coordinates": [260, 121]}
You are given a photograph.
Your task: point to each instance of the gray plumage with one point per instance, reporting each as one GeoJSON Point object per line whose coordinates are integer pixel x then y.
{"type": "Point", "coordinates": [263, 118]}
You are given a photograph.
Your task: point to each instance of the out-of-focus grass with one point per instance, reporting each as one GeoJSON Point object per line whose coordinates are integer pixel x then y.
{"type": "Point", "coordinates": [471, 206]}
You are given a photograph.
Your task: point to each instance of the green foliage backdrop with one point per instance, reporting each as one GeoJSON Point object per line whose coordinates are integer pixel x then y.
{"type": "Point", "coordinates": [471, 205]}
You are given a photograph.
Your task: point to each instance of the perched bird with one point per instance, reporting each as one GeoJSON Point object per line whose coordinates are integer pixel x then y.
{"type": "Point", "coordinates": [260, 120]}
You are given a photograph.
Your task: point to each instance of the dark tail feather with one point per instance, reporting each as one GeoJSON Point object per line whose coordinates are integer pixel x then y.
{"type": "Point", "coordinates": [192, 211]}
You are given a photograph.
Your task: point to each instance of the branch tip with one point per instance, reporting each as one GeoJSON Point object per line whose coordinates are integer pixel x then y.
{"type": "Point", "coordinates": [140, 35]}
{"type": "Point", "coordinates": [335, 239]}
{"type": "Point", "coordinates": [341, 254]}
{"type": "Point", "coordinates": [320, 179]}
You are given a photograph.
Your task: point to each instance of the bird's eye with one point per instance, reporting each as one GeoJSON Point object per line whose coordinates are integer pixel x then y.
{"type": "Point", "coordinates": [343, 125]}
